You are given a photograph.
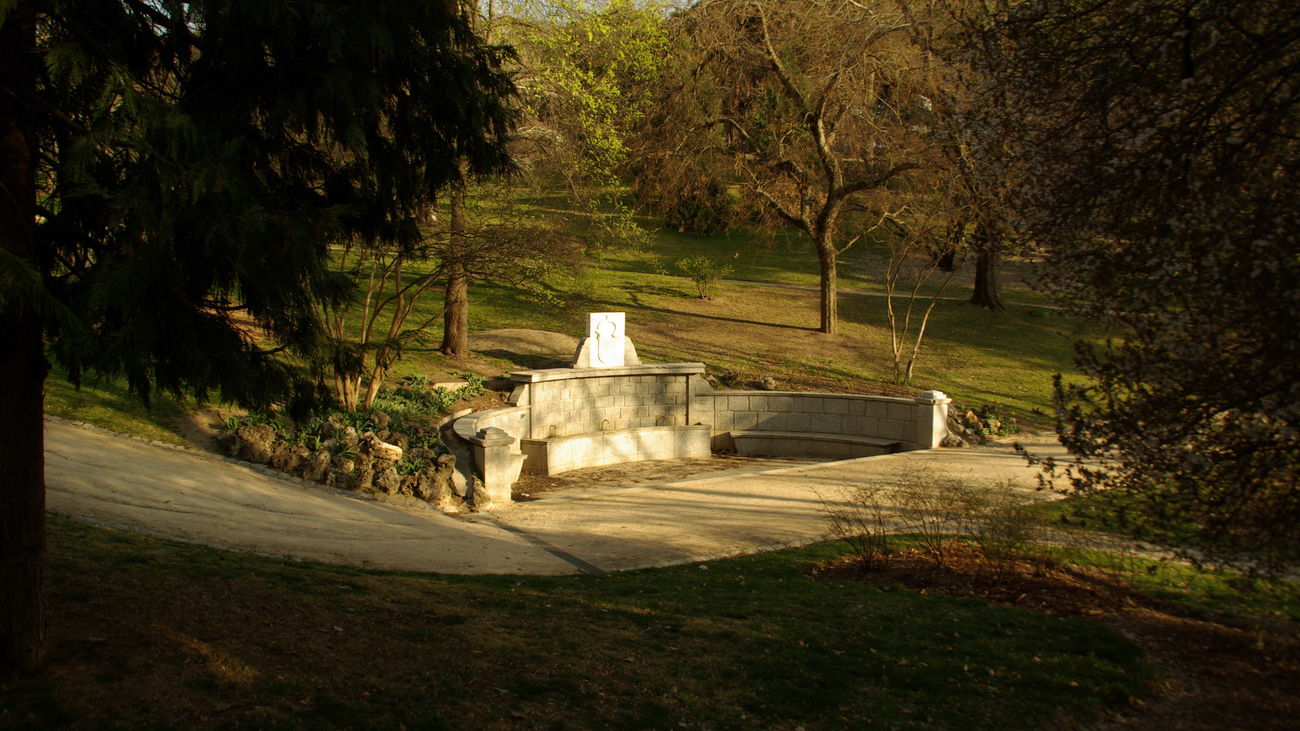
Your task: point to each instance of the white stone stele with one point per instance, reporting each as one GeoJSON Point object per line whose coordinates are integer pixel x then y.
{"type": "Point", "coordinates": [606, 344]}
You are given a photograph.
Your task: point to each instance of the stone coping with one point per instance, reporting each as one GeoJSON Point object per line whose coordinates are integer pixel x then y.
{"type": "Point", "coordinates": [815, 394]}
{"type": "Point", "coordinates": [467, 427]}
{"type": "Point", "coordinates": [565, 374]}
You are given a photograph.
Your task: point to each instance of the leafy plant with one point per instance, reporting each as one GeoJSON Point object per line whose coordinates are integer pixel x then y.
{"type": "Point", "coordinates": [704, 272]}
{"type": "Point", "coordinates": [410, 466]}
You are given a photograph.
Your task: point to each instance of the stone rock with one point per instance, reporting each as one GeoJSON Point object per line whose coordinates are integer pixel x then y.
{"type": "Point", "coordinates": [399, 440]}
{"type": "Point", "coordinates": [388, 481]}
{"type": "Point", "coordinates": [953, 441]}
{"type": "Point", "coordinates": [365, 461]}
{"type": "Point", "coordinates": [973, 420]}
{"type": "Point", "coordinates": [348, 437]}
{"type": "Point", "coordinates": [228, 443]}
{"type": "Point", "coordinates": [342, 464]}
{"type": "Point", "coordinates": [380, 420]}
{"type": "Point", "coordinates": [446, 465]}
{"type": "Point", "coordinates": [365, 478]}
{"type": "Point", "coordinates": [314, 468]}
{"type": "Point", "coordinates": [994, 425]}
{"type": "Point", "coordinates": [333, 425]}
{"type": "Point", "coordinates": [434, 486]}
{"type": "Point", "coordinates": [341, 480]}
{"type": "Point", "coordinates": [767, 384]}
{"type": "Point", "coordinates": [385, 451]}
{"type": "Point", "coordinates": [287, 459]}
{"type": "Point", "coordinates": [256, 443]}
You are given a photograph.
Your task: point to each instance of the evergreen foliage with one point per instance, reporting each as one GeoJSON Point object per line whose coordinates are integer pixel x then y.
{"type": "Point", "coordinates": [200, 157]}
{"type": "Point", "coordinates": [173, 175]}
{"type": "Point", "coordinates": [1157, 159]}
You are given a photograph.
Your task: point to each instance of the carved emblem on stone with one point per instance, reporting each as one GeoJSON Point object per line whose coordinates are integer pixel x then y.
{"type": "Point", "coordinates": [606, 336]}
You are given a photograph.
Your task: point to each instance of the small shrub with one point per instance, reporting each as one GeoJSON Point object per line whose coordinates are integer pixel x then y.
{"type": "Point", "coordinates": [932, 506]}
{"type": "Point", "coordinates": [859, 521]}
{"type": "Point", "coordinates": [704, 272]}
{"type": "Point", "coordinates": [413, 402]}
{"type": "Point", "coordinates": [1003, 524]}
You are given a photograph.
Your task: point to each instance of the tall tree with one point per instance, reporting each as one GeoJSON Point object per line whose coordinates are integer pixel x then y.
{"type": "Point", "coordinates": [1157, 145]}
{"type": "Point", "coordinates": [811, 103]}
{"type": "Point", "coordinates": [169, 166]}
{"type": "Point", "coordinates": [584, 70]}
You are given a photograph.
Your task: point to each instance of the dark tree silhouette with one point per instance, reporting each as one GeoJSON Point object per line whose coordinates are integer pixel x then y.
{"type": "Point", "coordinates": [1157, 149]}
{"type": "Point", "coordinates": [168, 167]}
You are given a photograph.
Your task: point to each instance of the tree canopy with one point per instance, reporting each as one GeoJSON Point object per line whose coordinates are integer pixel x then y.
{"type": "Point", "coordinates": [1156, 158]}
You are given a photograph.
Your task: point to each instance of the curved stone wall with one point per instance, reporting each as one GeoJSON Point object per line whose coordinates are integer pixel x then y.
{"type": "Point", "coordinates": [566, 418]}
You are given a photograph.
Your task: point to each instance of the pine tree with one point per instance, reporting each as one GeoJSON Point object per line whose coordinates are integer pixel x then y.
{"type": "Point", "coordinates": [170, 169]}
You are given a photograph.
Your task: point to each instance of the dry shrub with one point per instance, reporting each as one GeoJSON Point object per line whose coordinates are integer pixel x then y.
{"type": "Point", "coordinates": [859, 521]}
{"type": "Point", "coordinates": [938, 509]}
{"type": "Point", "coordinates": [1003, 526]}
{"type": "Point", "coordinates": [933, 505]}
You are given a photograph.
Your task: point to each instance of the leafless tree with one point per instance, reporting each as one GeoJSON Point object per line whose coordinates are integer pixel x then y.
{"type": "Point", "coordinates": [805, 107]}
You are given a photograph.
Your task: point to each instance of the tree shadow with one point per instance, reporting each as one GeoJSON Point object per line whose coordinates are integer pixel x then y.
{"type": "Point", "coordinates": [642, 305]}
{"type": "Point", "coordinates": [529, 361]}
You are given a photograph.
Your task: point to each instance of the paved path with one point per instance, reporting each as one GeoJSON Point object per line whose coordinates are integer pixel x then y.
{"type": "Point", "coordinates": [192, 496]}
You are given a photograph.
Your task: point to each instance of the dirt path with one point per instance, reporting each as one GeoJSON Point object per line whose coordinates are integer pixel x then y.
{"type": "Point", "coordinates": [109, 479]}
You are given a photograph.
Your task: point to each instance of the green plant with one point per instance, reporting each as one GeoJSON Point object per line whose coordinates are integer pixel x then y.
{"type": "Point", "coordinates": [704, 272]}
{"type": "Point", "coordinates": [411, 465]}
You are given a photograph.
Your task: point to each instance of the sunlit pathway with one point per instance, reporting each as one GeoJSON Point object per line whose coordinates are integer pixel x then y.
{"type": "Point", "coordinates": [112, 480]}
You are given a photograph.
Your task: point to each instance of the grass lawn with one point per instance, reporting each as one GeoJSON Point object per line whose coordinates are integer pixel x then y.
{"type": "Point", "coordinates": [105, 402]}
{"type": "Point", "coordinates": [149, 633]}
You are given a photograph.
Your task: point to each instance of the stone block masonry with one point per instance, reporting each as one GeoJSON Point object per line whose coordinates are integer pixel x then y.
{"type": "Point", "coordinates": [568, 418]}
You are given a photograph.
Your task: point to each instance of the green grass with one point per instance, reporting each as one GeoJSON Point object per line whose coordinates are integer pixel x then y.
{"type": "Point", "coordinates": [1196, 591]}
{"type": "Point", "coordinates": [105, 402]}
{"type": "Point", "coordinates": [976, 356]}
{"type": "Point", "coordinates": [146, 632]}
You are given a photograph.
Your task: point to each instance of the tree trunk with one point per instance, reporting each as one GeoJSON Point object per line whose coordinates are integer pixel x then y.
{"type": "Point", "coordinates": [829, 284]}
{"type": "Point", "coordinates": [372, 389]}
{"type": "Point", "coordinates": [455, 318]}
{"type": "Point", "coordinates": [22, 368]}
{"type": "Point", "coordinates": [988, 291]}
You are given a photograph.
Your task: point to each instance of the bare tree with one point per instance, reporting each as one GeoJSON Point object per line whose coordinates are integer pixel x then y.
{"type": "Point", "coordinates": [491, 236]}
{"type": "Point", "coordinates": [808, 106]}
{"type": "Point", "coordinates": [916, 251]}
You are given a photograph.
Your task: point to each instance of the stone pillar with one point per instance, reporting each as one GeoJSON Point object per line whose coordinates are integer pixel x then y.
{"type": "Point", "coordinates": [498, 464]}
{"type": "Point", "coordinates": [931, 419]}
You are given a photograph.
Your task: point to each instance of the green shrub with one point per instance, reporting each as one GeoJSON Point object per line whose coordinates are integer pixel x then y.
{"type": "Point", "coordinates": [704, 272]}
